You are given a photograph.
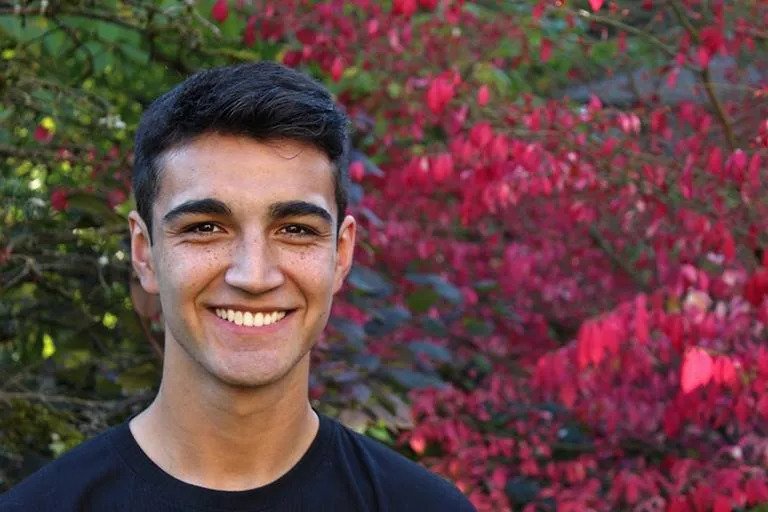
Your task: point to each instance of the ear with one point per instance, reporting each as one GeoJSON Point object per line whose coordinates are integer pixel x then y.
{"type": "Point", "coordinates": [345, 249]}
{"type": "Point", "coordinates": [141, 253]}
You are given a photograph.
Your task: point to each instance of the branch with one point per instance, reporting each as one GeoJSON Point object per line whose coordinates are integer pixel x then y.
{"type": "Point", "coordinates": [615, 258]}
{"type": "Point", "coordinates": [40, 152]}
{"type": "Point", "coordinates": [7, 396]}
{"type": "Point", "coordinates": [81, 13]}
{"type": "Point", "coordinates": [627, 28]}
{"type": "Point", "coordinates": [706, 80]}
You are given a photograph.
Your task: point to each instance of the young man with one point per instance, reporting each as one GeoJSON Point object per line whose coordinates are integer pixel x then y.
{"type": "Point", "coordinates": [241, 229]}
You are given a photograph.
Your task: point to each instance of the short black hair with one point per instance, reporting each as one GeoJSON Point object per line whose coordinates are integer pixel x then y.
{"type": "Point", "coordinates": [262, 100]}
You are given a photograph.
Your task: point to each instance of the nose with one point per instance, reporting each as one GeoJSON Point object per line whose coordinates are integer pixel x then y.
{"type": "Point", "coordinates": [254, 267]}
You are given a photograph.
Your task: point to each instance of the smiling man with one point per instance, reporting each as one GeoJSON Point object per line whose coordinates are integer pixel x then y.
{"type": "Point", "coordinates": [241, 229]}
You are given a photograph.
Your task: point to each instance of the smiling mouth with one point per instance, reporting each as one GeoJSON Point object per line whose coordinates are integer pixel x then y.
{"type": "Point", "coordinates": [249, 319]}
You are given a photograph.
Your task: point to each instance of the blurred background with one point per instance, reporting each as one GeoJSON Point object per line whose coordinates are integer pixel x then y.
{"type": "Point", "coordinates": [558, 301]}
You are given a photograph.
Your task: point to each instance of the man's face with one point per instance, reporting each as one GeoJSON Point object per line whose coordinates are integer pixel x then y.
{"type": "Point", "coordinates": [246, 257]}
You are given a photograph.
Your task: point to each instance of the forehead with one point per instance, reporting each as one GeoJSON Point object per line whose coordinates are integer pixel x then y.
{"type": "Point", "coordinates": [245, 173]}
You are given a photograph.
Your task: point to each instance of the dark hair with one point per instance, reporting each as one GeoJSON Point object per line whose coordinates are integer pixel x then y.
{"type": "Point", "coordinates": [262, 100]}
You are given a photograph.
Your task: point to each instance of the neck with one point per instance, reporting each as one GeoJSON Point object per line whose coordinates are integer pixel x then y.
{"type": "Point", "coordinates": [211, 434]}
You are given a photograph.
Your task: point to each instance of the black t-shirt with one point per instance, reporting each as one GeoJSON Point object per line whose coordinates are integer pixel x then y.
{"type": "Point", "coordinates": [341, 471]}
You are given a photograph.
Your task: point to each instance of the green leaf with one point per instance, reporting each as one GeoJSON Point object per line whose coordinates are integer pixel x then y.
{"type": "Point", "coordinates": [434, 326]}
{"type": "Point", "coordinates": [421, 300]}
{"type": "Point", "coordinates": [353, 333]}
{"type": "Point", "coordinates": [380, 433]}
{"type": "Point", "coordinates": [442, 287]}
{"type": "Point", "coordinates": [522, 490]}
{"type": "Point", "coordinates": [478, 327]}
{"type": "Point", "coordinates": [386, 320]}
{"type": "Point", "coordinates": [434, 351]}
{"type": "Point", "coordinates": [410, 379]}
{"type": "Point", "coordinates": [138, 378]}
{"type": "Point", "coordinates": [369, 281]}
{"type": "Point", "coordinates": [95, 206]}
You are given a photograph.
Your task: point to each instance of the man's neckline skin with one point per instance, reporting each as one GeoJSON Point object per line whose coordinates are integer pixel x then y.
{"type": "Point", "coordinates": [246, 259]}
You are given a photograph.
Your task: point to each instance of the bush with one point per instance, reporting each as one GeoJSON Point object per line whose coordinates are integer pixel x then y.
{"type": "Point", "coordinates": [559, 297]}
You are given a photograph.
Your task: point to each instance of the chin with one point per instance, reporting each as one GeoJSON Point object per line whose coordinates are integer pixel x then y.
{"type": "Point", "coordinates": [254, 374]}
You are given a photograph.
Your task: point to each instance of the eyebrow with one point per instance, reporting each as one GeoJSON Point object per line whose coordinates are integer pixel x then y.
{"type": "Point", "coordinates": [285, 209]}
{"type": "Point", "coordinates": [198, 206]}
{"type": "Point", "coordinates": [281, 210]}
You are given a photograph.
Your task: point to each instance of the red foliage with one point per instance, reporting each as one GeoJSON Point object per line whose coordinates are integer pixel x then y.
{"type": "Point", "coordinates": [220, 10]}
{"type": "Point", "coordinates": [607, 346]}
{"type": "Point", "coordinates": [59, 199]}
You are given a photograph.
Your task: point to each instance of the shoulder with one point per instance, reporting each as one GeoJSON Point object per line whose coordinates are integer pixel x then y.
{"type": "Point", "coordinates": [60, 481]}
{"type": "Point", "coordinates": [404, 483]}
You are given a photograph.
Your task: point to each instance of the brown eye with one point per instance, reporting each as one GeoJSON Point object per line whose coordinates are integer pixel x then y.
{"type": "Point", "coordinates": [205, 228]}
{"type": "Point", "coordinates": [298, 230]}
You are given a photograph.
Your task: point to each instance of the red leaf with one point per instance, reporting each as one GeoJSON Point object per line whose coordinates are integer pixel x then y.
{"type": "Point", "coordinates": [722, 504]}
{"type": "Point", "coordinates": [671, 422]}
{"type": "Point", "coordinates": [632, 489]}
{"type": "Point", "coordinates": [672, 78]}
{"type": "Point", "coordinates": [594, 103]}
{"type": "Point", "coordinates": [42, 134]}
{"type": "Point", "coordinates": [568, 393]}
{"type": "Point", "coordinates": [483, 95]}
{"type": "Point", "coordinates": [220, 11]}
{"type": "Point", "coordinates": [59, 199]}
{"type": "Point", "coordinates": [595, 5]}
{"type": "Point", "coordinates": [116, 197]}
{"type": "Point", "coordinates": [621, 44]}
{"type": "Point", "coordinates": [703, 57]}
{"type": "Point", "coordinates": [356, 170]}
{"type": "Point", "coordinates": [641, 319]}
{"type": "Point", "coordinates": [724, 372]}
{"type": "Point", "coordinates": [756, 490]}
{"type": "Point", "coordinates": [545, 51]}
{"type": "Point", "coordinates": [678, 504]}
{"type": "Point", "coordinates": [337, 69]}
{"type": "Point", "coordinates": [591, 343]}
{"type": "Point", "coordinates": [702, 498]}
{"type": "Point", "coordinates": [418, 443]}
{"type": "Point", "coordinates": [686, 178]}
{"type": "Point", "coordinates": [439, 94]}
{"type": "Point", "coordinates": [442, 167]}
{"type": "Point", "coordinates": [404, 7]}
{"type": "Point", "coordinates": [715, 161]}
{"type": "Point", "coordinates": [249, 34]}
{"type": "Point", "coordinates": [696, 370]}
{"type": "Point", "coordinates": [757, 287]}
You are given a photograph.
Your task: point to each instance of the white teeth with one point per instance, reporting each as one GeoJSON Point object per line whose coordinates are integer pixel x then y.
{"type": "Point", "coordinates": [249, 319]}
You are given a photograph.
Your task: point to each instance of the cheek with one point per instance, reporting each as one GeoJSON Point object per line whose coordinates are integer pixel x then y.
{"type": "Point", "coordinates": [314, 270]}
{"type": "Point", "coordinates": [186, 272]}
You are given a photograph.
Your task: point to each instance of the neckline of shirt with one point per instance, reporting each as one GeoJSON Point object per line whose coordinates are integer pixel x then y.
{"type": "Point", "coordinates": [175, 491]}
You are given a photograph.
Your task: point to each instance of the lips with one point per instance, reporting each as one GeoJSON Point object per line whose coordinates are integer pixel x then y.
{"type": "Point", "coordinates": [250, 318]}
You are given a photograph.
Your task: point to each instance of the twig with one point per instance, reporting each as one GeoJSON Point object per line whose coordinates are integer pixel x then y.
{"type": "Point", "coordinates": [615, 259]}
{"type": "Point", "coordinates": [627, 28]}
{"type": "Point", "coordinates": [706, 80]}
{"type": "Point", "coordinates": [7, 396]}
